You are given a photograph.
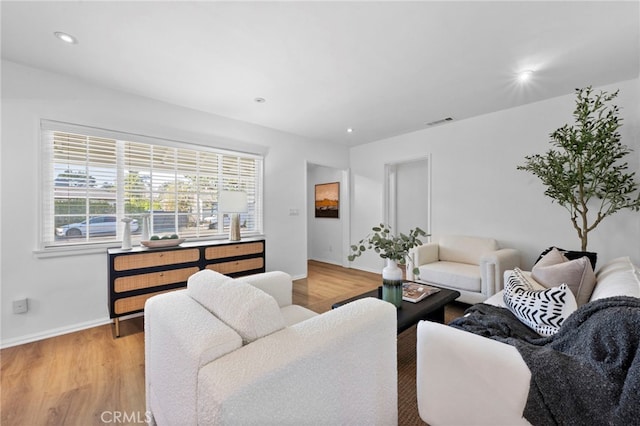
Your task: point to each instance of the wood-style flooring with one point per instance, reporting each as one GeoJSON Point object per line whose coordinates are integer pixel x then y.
{"type": "Point", "coordinates": [91, 378]}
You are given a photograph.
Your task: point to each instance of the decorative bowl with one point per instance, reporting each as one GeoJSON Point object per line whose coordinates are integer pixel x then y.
{"type": "Point", "coordinates": [163, 243]}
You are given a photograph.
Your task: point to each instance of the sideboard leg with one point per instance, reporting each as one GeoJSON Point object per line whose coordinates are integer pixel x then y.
{"type": "Point", "coordinates": [117, 324]}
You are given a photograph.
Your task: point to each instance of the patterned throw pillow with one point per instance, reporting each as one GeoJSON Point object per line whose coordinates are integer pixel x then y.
{"type": "Point", "coordinates": [542, 310]}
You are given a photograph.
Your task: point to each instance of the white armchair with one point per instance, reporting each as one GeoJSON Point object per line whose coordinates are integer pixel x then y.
{"type": "Point", "coordinates": [237, 352]}
{"type": "Point", "coordinates": [474, 266]}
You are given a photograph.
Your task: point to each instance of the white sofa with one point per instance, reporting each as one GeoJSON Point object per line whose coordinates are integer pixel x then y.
{"type": "Point", "coordinates": [463, 378]}
{"type": "Point", "coordinates": [237, 352]}
{"type": "Point", "coordinates": [474, 266]}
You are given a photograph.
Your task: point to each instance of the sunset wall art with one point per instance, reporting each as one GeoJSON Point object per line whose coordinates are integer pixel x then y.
{"type": "Point", "coordinates": [328, 200]}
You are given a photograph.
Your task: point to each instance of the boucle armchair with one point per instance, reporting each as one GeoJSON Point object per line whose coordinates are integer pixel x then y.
{"type": "Point", "coordinates": [238, 352]}
{"type": "Point", "coordinates": [474, 266]}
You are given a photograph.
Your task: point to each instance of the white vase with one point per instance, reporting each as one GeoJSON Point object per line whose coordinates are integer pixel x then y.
{"type": "Point", "coordinates": [145, 227]}
{"type": "Point", "coordinates": [126, 236]}
{"type": "Point", "coordinates": [392, 283]}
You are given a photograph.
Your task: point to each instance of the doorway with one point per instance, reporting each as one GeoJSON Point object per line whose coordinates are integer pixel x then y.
{"type": "Point", "coordinates": [408, 195]}
{"type": "Point", "coordinates": [328, 237]}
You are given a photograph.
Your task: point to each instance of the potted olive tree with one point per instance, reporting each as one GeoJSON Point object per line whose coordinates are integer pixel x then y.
{"type": "Point", "coordinates": [586, 173]}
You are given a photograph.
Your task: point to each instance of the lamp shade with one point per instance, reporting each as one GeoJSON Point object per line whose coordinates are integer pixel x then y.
{"type": "Point", "coordinates": [233, 202]}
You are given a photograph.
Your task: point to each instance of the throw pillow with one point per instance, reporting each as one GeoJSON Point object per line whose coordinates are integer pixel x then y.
{"type": "Point", "coordinates": [544, 311]}
{"type": "Point", "coordinates": [554, 269]}
{"type": "Point", "coordinates": [251, 312]}
{"type": "Point", "coordinates": [571, 255]}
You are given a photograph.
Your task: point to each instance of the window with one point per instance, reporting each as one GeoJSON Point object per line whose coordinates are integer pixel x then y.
{"type": "Point", "coordinates": [93, 178]}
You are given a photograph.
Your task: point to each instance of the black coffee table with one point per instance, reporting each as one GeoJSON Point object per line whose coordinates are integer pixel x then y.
{"type": "Point", "coordinates": [430, 308]}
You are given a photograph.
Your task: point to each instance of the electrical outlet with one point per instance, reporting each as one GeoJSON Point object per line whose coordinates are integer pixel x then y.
{"type": "Point", "coordinates": [20, 306]}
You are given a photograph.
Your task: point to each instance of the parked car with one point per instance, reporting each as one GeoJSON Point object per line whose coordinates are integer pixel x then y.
{"type": "Point", "coordinates": [97, 226]}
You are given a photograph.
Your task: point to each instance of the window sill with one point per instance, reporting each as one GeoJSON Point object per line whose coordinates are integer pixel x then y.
{"type": "Point", "coordinates": [77, 250]}
{"type": "Point", "coordinates": [95, 248]}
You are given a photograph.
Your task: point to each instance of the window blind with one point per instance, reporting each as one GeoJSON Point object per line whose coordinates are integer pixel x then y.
{"type": "Point", "coordinates": [93, 178]}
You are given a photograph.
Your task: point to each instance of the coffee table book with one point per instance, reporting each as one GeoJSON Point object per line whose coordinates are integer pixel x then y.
{"type": "Point", "coordinates": [414, 292]}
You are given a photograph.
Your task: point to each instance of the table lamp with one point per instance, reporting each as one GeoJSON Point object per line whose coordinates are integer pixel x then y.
{"type": "Point", "coordinates": [234, 202]}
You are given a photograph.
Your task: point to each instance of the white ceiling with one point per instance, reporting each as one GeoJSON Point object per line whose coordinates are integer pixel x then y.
{"type": "Point", "coordinates": [382, 68]}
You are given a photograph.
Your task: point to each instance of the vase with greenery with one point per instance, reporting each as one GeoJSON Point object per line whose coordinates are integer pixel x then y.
{"type": "Point", "coordinates": [586, 173]}
{"type": "Point", "coordinates": [395, 250]}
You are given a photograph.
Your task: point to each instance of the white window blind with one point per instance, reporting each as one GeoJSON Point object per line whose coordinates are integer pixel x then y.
{"type": "Point", "coordinates": [93, 178]}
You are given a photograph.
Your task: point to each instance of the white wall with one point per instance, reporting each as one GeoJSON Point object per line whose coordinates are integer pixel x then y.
{"type": "Point", "coordinates": [411, 207]}
{"type": "Point", "coordinates": [68, 293]}
{"type": "Point", "coordinates": [476, 189]}
{"type": "Point", "coordinates": [325, 235]}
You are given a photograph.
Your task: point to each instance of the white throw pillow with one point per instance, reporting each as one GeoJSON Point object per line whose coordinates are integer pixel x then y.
{"type": "Point", "coordinates": [251, 312]}
{"type": "Point", "coordinates": [544, 311]}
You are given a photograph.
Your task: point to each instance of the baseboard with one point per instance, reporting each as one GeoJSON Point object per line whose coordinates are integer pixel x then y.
{"type": "Point", "coordinates": [29, 338]}
{"type": "Point", "coordinates": [331, 262]}
{"type": "Point", "coordinates": [373, 271]}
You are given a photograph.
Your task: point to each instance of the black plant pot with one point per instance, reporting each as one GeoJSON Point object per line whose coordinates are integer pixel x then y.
{"type": "Point", "coordinates": [571, 255]}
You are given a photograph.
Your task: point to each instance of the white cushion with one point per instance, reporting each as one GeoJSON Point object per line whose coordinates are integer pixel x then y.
{"type": "Point", "coordinates": [554, 269]}
{"type": "Point", "coordinates": [617, 283]}
{"type": "Point", "coordinates": [275, 283]}
{"type": "Point", "coordinates": [294, 314]}
{"type": "Point", "coordinates": [496, 300]}
{"type": "Point", "coordinates": [251, 312]}
{"type": "Point", "coordinates": [462, 276]}
{"type": "Point", "coordinates": [544, 311]}
{"type": "Point", "coordinates": [456, 248]}
{"type": "Point", "coordinates": [618, 264]}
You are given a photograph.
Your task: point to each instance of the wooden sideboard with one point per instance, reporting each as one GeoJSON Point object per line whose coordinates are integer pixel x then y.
{"type": "Point", "coordinates": [137, 274]}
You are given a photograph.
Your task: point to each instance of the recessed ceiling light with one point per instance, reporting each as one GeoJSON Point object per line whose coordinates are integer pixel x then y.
{"type": "Point", "coordinates": [67, 38]}
{"type": "Point", "coordinates": [260, 100]}
{"type": "Point", "coordinates": [525, 76]}
{"type": "Point", "coordinates": [349, 130]}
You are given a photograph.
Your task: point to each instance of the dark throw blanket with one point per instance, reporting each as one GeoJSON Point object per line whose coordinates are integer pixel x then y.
{"type": "Point", "coordinates": [587, 374]}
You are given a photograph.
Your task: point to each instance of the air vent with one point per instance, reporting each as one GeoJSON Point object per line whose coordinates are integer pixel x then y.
{"type": "Point", "coordinates": [441, 121]}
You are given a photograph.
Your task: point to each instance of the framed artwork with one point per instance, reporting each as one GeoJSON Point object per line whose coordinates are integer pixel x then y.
{"type": "Point", "coordinates": [327, 201]}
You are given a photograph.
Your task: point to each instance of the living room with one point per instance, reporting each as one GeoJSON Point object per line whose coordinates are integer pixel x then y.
{"type": "Point", "coordinates": [475, 188]}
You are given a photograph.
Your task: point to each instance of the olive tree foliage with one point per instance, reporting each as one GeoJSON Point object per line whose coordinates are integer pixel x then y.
{"type": "Point", "coordinates": [586, 172]}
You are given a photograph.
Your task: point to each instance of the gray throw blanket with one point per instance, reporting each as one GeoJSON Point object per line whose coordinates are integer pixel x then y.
{"type": "Point", "coordinates": [586, 374]}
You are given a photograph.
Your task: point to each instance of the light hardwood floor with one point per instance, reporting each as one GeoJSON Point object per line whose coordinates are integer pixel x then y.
{"type": "Point", "coordinates": [91, 378]}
